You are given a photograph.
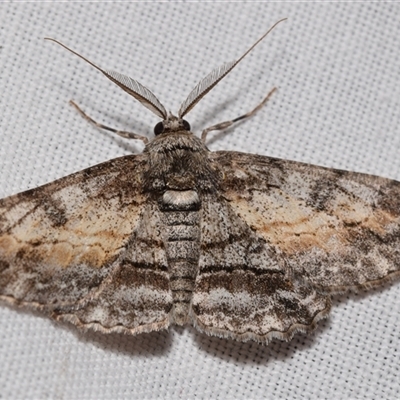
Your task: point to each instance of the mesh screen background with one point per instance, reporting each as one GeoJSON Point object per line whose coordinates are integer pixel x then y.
{"type": "Point", "coordinates": [337, 70]}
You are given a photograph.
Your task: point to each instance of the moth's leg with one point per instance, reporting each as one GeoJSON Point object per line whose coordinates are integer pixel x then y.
{"type": "Point", "coordinates": [127, 135]}
{"type": "Point", "coordinates": [227, 124]}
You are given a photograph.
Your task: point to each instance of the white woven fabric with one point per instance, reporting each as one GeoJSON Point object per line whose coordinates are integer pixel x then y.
{"type": "Point", "coordinates": [337, 70]}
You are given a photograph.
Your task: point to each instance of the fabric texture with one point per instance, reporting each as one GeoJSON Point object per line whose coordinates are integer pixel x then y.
{"type": "Point", "coordinates": [336, 67]}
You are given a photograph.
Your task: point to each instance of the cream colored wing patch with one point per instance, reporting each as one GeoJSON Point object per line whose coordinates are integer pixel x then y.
{"type": "Point", "coordinates": [57, 242]}
{"type": "Point", "coordinates": [334, 228]}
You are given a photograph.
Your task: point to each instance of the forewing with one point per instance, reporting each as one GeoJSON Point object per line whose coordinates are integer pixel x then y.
{"type": "Point", "coordinates": [243, 289]}
{"type": "Point", "coordinates": [62, 244]}
{"type": "Point", "coordinates": [334, 229]}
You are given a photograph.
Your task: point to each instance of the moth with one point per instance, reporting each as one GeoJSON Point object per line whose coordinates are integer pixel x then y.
{"type": "Point", "coordinates": [239, 245]}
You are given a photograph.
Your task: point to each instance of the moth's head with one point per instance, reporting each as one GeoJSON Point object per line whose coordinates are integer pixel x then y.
{"type": "Point", "coordinates": [171, 124]}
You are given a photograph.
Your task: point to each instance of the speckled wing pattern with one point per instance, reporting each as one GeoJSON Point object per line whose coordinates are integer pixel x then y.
{"type": "Point", "coordinates": [244, 289]}
{"type": "Point", "coordinates": [65, 249]}
{"type": "Point", "coordinates": [335, 229]}
{"type": "Point", "coordinates": [282, 237]}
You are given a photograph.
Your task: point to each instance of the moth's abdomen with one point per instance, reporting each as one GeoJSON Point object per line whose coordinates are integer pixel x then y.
{"type": "Point", "coordinates": [180, 210]}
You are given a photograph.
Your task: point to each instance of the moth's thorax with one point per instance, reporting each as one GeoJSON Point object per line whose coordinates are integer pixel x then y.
{"type": "Point", "coordinates": [175, 139]}
{"type": "Point", "coordinates": [179, 161]}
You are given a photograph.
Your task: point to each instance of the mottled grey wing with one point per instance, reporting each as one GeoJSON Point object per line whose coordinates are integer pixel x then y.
{"type": "Point", "coordinates": [74, 249]}
{"type": "Point", "coordinates": [243, 289]}
{"type": "Point", "coordinates": [334, 229]}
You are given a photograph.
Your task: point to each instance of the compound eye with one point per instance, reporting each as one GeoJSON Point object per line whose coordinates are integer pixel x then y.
{"type": "Point", "coordinates": [186, 125]}
{"type": "Point", "coordinates": [159, 128]}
